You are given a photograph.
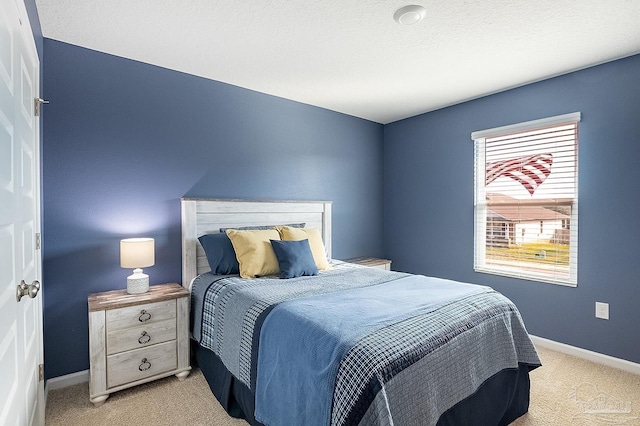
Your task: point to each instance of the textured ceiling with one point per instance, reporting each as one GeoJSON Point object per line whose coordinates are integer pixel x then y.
{"type": "Point", "coordinates": [351, 56]}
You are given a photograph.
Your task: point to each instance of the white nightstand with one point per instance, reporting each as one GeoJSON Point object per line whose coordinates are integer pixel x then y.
{"type": "Point", "coordinates": [371, 262]}
{"type": "Point", "coordinates": [137, 338]}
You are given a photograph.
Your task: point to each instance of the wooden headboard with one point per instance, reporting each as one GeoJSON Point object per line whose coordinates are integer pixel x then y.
{"type": "Point", "coordinates": [206, 216]}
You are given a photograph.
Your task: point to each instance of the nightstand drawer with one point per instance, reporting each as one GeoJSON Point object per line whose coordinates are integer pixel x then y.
{"type": "Point", "coordinates": [137, 364]}
{"type": "Point", "coordinates": [141, 336]}
{"type": "Point", "coordinates": [133, 316]}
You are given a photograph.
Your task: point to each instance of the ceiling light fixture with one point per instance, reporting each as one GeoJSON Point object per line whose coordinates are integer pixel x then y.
{"type": "Point", "coordinates": [410, 15]}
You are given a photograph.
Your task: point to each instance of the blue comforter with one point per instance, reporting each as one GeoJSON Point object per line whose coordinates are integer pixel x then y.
{"type": "Point", "coordinates": [303, 341]}
{"type": "Point", "coordinates": [363, 346]}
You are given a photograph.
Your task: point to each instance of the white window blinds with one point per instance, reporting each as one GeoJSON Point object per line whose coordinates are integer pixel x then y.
{"type": "Point", "coordinates": [526, 200]}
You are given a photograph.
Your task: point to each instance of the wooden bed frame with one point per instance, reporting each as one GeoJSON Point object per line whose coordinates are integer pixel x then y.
{"type": "Point", "coordinates": [206, 216]}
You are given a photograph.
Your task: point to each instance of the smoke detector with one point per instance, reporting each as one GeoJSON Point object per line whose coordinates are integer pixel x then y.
{"type": "Point", "coordinates": [410, 15]}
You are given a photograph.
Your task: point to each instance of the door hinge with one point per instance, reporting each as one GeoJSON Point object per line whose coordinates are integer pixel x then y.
{"type": "Point", "coordinates": [38, 241]}
{"type": "Point", "coordinates": [37, 102]}
{"type": "Point", "coordinates": [40, 372]}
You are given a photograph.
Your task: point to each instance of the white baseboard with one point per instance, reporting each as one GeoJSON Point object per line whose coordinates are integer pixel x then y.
{"type": "Point", "coordinates": [65, 381]}
{"type": "Point", "coordinates": [596, 357]}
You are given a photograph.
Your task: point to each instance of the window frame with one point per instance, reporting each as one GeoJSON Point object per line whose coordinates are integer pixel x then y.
{"type": "Point", "coordinates": [481, 205]}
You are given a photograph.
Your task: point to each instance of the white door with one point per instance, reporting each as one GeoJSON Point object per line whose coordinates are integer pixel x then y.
{"type": "Point", "coordinates": [21, 390]}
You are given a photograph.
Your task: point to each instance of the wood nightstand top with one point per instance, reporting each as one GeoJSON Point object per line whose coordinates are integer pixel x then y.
{"type": "Point", "coordinates": [368, 261]}
{"type": "Point", "coordinates": [120, 298]}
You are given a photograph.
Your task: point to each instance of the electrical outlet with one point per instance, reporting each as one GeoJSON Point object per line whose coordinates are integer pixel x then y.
{"type": "Point", "coordinates": [602, 310]}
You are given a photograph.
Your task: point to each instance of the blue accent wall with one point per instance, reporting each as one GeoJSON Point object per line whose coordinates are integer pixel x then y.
{"type": "Point", "coordinates": [124, 141]}
{"type": "Point", "coordinates": [428, 202]}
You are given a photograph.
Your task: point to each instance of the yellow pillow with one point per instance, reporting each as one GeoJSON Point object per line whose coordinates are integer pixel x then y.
{"type": "Point", "coordinates": [288, 233]}
{"type": "Point", "coordinates": [254, 252]}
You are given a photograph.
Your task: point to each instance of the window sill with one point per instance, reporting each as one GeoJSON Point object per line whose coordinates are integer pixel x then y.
{"type": "Point", "coordinates": [568, 282]}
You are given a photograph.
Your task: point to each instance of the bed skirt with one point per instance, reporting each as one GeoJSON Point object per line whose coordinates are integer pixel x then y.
{"type": "Point", "coordinates": [234, 396]}
{"type": "Point", "coordinates": [499, 401]}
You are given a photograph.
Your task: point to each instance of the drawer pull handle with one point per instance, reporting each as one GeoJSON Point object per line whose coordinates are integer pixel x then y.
{"type": "Point", "coordinates": [144, 316]}
{"type": "Point", "coordinates": [144, 338]}
{"type": "Point", "coordinates": [145, 365]}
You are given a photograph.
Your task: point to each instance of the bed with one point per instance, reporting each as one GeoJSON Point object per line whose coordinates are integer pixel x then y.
{"type": "Point", "coordinates": [350, 345]}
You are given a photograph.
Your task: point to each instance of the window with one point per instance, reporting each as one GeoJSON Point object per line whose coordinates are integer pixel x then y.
{"type": "Point", "coordinates": [526, 195]}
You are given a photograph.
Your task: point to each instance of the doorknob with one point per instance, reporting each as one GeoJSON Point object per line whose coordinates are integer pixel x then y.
{"type": "Point", "coordinates": [27, 290]}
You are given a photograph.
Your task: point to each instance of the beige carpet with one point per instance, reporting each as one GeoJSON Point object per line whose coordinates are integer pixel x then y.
{"type": "Point", "coordinates": [571, 391]}
{"type": "Point", "coordinates": [564, 391]}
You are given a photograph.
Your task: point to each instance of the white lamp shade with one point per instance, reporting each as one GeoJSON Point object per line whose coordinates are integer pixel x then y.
{"type": "Point", "coordinates": [137, 253]}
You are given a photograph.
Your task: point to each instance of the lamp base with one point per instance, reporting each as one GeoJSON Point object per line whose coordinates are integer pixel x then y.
{"type": "Point", "coordinates": [138, 282]}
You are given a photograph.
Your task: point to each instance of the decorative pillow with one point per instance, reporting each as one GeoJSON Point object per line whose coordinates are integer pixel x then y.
{"type": "Point", "coordinates": [315, 242]}
{"type": "Point", "coordinates": [220, 254]}
{"type": "Point", "coordinates": [254, 252]}
{"type": "Point", "coordinates": [294, 258]}
{"type": "Point", "coordinates": [263, 227]}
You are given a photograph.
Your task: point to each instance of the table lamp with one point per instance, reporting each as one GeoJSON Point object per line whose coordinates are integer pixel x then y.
{"type": "Point", "coordinates": [137, 253]}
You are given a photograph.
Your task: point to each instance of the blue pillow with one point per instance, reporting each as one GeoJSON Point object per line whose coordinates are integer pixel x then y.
{"type": "Point", "coordinates": [294, 258]}
{"type": "Point", "coordinates": [220, 254]}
